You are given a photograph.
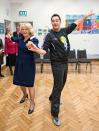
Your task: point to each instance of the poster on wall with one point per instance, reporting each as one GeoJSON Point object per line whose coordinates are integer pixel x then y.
{"type": "Point", "coordinates": [89, 26]}
{"type": "Point", "coordinates": [1, 28]}
{"type": "Point", "coordinates": [42, 32]}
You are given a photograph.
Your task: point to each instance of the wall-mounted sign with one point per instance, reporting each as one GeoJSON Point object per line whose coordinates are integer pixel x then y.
{"type": "Point", "coordinates": [1, 28]}
{"type": "Point", "coordinates": [22, 13]}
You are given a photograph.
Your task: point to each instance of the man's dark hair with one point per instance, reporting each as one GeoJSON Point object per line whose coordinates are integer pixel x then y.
{"type": "Point", "coordinates": [54, 16]}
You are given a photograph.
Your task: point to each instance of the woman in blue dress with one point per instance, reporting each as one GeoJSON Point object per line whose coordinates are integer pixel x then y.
{"type": "Point", "coordinates": [24, 74]}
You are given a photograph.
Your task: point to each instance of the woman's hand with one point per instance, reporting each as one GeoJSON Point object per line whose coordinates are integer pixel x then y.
{"type": "Point", "coordinates": [8, 35]}
{"type": "Point", "coordinates": [34, 48]}
{"type": "Point", "coordinates": [31, 46]}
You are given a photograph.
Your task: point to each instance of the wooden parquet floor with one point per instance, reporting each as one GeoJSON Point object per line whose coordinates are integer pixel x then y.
{"type": "Point", "coordinates": [79, 110]}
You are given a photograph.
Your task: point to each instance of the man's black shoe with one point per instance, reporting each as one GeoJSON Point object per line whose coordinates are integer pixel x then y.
{"type": "Point", "coordinates": [56, 121]}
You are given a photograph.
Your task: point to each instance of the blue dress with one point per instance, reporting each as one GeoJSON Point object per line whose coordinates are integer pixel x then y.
{"type": "Point", "coordinates": [24, 74]}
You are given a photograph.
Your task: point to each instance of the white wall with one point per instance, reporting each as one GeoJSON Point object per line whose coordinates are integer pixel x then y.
{"type": "Point", "coordinates": [5, 13]}
{"type": "Point", "coordinates": [40, 12]}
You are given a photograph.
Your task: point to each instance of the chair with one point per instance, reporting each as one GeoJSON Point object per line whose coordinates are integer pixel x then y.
{"type": "Point", "coordinates": [72, 58]}
{"type": "Point", "coordinates": [38, 60]}
{"type": "Point", "coordinates": [82, 58]}
{"type": "Point", "coordinates": [46, 59]}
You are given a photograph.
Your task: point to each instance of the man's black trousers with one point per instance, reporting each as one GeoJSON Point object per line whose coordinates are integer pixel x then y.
{"type": "Point", "coordinates": [59, 71]}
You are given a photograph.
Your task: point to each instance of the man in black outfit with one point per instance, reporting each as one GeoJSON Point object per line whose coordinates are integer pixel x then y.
{"type": "Point", "coordinates": [17, 32]}
{"type": "Point", "coordinates": [58, 43]}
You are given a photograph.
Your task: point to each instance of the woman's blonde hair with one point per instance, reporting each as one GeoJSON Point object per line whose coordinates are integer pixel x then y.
{"type": "Point", "coordinates": [28, 26]}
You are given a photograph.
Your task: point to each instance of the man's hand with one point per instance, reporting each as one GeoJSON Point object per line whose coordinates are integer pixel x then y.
{"type": "Point", "coordinates": [89, 14]}
{"type": "Point", "coordinates": [78, 21]}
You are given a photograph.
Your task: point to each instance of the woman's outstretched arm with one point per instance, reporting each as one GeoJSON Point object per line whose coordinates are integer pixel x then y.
{"type": "Point", "coordinates": [34, 48]}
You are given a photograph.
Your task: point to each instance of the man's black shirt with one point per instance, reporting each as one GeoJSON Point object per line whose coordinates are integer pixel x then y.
{"type": "Point", "coordinates": [58, 44]}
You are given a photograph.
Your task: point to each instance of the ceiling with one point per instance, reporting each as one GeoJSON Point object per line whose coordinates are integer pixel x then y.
{"type": "Point", "coordinates": [16, 1]}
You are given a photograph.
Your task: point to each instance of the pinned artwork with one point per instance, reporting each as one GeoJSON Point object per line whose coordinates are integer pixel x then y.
{"type": "Point", "coordinates": [89, 26]}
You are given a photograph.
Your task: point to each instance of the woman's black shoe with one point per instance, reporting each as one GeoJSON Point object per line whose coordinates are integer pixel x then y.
{"type": "Point", "coordinates": [31, 110]}
{"type": "Point", "coordinates": [23, 99]}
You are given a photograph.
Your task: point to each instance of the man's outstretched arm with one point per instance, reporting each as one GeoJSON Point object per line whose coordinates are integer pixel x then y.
{"type": "Point", "coordinates": [78, 21]}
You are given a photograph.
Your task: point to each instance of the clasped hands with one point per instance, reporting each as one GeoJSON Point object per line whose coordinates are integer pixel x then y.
{"type": "Point", "coordinates": [31, 46]}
